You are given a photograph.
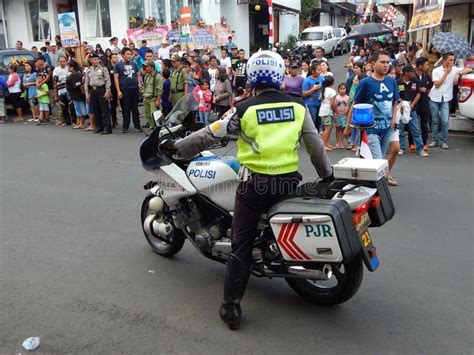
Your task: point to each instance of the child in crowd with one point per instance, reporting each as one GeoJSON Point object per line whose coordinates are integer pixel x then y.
{"type": "Point", "coordinates": [340, 107]}
{"type": "Point", "coordinates": [166, 96]}
{"type": "Point", "coordinates": [355, 135]}
{"type": "Point", "coordinates": [203, 95]}
{"type": "Point", "coordinates": [325, 112]}
{"type": "Point", "coordinates": [137, 58]}
{"type": "Point", "coordinates": [29, 82]}
{"type": "Point", "coordinates": [43, 102]}
{"type": "Point", "coordinates": [75, 89]}
{"type": "Point", "coordinates": [3, 93]}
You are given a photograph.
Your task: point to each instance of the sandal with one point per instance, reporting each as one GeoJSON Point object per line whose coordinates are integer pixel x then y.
{"type": "Point", "coordinates": [328, 149]}
{"type": "Point", "coordinates": [89, 129]}
{"type": "Point", "coordinates": [391, 181]}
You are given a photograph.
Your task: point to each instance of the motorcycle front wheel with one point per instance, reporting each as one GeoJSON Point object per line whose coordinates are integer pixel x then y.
{"type": "Point", "coordinates": [343, 284]}
{"type": "Point", "coordinates": [159, 246]}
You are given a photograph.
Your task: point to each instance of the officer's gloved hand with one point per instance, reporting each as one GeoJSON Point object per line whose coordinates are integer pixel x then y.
{"type": "Point", "coordinates": [324, 186]}
{"type": "Point", "coordinates": [167, 147]}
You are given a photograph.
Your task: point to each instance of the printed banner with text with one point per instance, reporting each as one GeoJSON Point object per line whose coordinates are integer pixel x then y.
{"type": "Point", "coordinates": [68, 29]}
{"type": "Point", "coordinates": [426, 14]}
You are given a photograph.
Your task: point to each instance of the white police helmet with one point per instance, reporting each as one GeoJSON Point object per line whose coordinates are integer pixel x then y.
{"type": "Point", "coordinates": [265, 67]}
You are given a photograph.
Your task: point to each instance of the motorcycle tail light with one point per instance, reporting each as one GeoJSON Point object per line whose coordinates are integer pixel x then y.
{"type": "Point", "coordinates": [362, 208]}
{"type": "Point", "coordinates": [375, 202]}
{"type": "Point", "coordinates": [467, 86]}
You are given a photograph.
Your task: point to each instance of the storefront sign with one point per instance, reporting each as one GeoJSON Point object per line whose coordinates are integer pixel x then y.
{"type": "Point", "coordinates": [426, 14]}
{"type": "Point", "coordinates": [68, 29]}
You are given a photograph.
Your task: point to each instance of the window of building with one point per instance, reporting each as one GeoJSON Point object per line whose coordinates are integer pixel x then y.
{"type": "Point", "coordinates": [136, 13]}
{"type": "Point", "coordinates": [195, 5]}
{"type": "Point", "coordinates": [158, 11]}
{"type": "Point", "coordinates": [39, 18]}
{"type": "Point", "coordinates": [97, 19]}
{"type": "Point", "coordinates": [175, 6]}
{"type": "Point", "coordinates": [446, 26]}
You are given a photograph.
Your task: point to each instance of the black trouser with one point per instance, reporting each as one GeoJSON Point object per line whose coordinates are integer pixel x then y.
{"type": "Point", "coordinates": [101, 109]}
{"type": "Point", "coordinates": [130, 104]}
{"type": "Point", "coordinates": [222, 109]}
{"type": "Point", "coordinates": [253, 198]}
{"type": "Point", "coordinates": [113, 105]}
{"type": "Point", "coordinates": [64, 102]}
{"type": "Point", "coordinates": [453, 105]}
{"type": "Point", "coordinates": [425, 119]}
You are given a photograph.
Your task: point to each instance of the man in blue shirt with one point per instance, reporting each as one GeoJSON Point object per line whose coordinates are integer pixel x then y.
{"type": "Point", "coordinates": [128, 88]}
{"type": "Point", "coordinates": [143, 49]}
{"type": "Point", "coordinates": [382, 92]}
{"type": "Point", "coordinates": [230, 44]}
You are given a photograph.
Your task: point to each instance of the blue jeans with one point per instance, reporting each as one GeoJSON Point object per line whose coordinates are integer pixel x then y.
{"type": "Point", "coordinates": [204, 117]}
{"type": "Point", "coordinates": [439, 113]}
{"type": "Point", "coordinates": [314, 112]}
{"type": "Point", "coordinates": [378, 143]}
{"type": "Point", "coordinates": [414, 128]}
{"type": "Point", "coordinates": [355, 136]}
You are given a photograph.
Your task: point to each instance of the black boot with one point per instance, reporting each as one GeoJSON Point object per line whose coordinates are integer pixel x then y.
{"type": "Point", "coordinates": [236, 277]}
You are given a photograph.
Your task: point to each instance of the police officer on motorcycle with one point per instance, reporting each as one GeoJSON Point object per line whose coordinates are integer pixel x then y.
{"type": "Point", "coordinates": [270, 126]}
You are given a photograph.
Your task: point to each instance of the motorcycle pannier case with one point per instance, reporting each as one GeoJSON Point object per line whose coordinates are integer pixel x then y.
{"type": "Point", "coordinates": [314, 230]}
{"type": "Point", "coordinates": [360, 169]}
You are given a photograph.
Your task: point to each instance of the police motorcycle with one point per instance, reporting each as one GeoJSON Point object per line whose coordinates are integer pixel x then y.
{"type": "Point", "coordinates": [318, 239]}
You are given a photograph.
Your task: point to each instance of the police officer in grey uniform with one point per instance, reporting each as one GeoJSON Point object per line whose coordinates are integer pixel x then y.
{"type": "Point", "coordinates": [270, 126]}
{"type": "Point", "coordinates": [98, 94]}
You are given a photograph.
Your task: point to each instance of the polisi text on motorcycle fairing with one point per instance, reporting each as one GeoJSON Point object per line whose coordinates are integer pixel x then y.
{"type": "Point", "coordinates": [203, 174]}
{"type": "Point", "coordinates": [275, 115]}
{"type": "Point", "coordinates": [319, 230]}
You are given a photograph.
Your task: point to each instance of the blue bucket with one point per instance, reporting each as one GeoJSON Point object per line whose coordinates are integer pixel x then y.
{"type": "Point", "coordinates": [362, 115]}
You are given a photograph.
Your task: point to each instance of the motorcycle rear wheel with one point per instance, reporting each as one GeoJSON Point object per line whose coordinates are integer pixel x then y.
{"type": "Point", "coordinates": [158, 246]}
{"type": "Point", "coordinates": [348, 278]}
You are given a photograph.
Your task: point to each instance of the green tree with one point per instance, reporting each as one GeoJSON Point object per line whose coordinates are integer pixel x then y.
{"type": "Point", "coordinates": [308, 7]}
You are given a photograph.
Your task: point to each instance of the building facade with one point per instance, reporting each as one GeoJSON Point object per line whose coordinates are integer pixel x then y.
{"type": "Point", "coordinates": [35, 21]}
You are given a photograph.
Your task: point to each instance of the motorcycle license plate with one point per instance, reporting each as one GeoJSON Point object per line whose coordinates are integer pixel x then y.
{"type": "Point", "coordinates": [371, 259]}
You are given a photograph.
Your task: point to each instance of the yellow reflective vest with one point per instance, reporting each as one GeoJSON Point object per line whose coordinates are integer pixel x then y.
{"type": "Point", "coordinates": [270, 133]}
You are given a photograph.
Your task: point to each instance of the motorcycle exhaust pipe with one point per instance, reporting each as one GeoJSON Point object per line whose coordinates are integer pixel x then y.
{"type": "Point", "coordinates": [300, 272]}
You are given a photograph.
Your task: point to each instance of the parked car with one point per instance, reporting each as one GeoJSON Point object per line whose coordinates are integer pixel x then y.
{"type": "Point", "coordinates": [9, 56]}
{"type": "Point", "coordinates": [466, 96]}
{"type": "Point", "coordinates": [342, 41]}
{"type": "Point", "coordinates": [320, 36]}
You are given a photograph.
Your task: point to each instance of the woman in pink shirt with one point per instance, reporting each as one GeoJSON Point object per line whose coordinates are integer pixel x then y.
{"type": "Point", "coordinates": [14, 91]}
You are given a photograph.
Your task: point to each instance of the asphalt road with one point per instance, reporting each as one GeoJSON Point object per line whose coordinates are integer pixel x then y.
{"type": "Point", "coordinates": [77, 272]}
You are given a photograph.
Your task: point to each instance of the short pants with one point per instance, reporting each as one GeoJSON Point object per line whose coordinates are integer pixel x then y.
{"type": "Point", "coordinates": [395, 136]}
{"type": "Point", "coordinates": [43, 107]}
{"type": "Point", "coordinates": [80, 108]}
{"type": "Point", "coordinates": [331, 121]}
{"type": "Point", "coordinates": [15, 99]}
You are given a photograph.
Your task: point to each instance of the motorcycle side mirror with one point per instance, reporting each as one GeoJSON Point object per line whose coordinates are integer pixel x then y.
{"type": "Point", "coordinates": [157, 116]}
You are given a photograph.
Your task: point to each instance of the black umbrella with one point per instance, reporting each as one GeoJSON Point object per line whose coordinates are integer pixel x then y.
{"type": "Point", "coordinates": [369, 30]}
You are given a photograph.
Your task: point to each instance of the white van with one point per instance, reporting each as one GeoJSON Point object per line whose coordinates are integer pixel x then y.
{"type": "Point", "coordinates": [320, 36]}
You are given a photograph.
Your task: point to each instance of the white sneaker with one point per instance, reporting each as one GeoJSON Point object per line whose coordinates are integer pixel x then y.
{"type": "Point", "coordinates": [444, 146]}
{"type": "Point", "coordinates": [400, 152]}
{"type": "Point", "coordinates": [433, 144]}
